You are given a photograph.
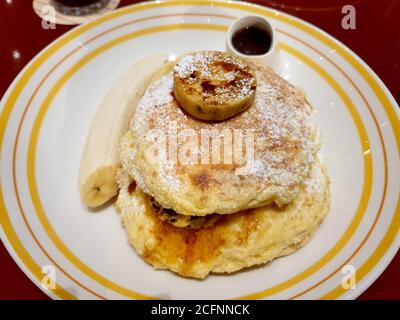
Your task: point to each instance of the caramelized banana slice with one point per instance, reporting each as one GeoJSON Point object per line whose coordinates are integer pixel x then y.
{"type": "Point", "coordinates": [213, 85]}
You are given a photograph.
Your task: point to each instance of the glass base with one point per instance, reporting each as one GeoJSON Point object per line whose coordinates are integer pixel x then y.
{"type": "Point", "coordinates": [80, 10]}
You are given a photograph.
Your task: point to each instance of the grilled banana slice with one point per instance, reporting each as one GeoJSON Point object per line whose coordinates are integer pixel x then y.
{"type": "Point", "coordinates": [100, 158]}
{"type": "Point", "coordinates": [213, 85]}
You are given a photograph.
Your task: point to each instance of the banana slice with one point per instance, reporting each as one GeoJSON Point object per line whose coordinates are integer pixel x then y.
{"type": "Point", "coordinates": [100, 158]}
{"type": "Point", "coordinates": [213, 85]}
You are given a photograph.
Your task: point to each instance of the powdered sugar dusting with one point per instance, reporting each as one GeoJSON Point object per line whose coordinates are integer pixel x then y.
{"type": "Point", "coordinates": [158, 94]}
{"type": "Point", "coordinates": [186, 65]}
{"type": "Point", "coordinates": [227, 76]}
{"type": "Point", "coordinates": [315, 183]}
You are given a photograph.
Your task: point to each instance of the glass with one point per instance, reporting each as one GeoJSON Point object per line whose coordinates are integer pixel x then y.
{"type": "Point", "coordinates": [79, 7]}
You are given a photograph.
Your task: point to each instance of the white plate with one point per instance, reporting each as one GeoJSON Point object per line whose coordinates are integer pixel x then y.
{"type": "Point", "coordinates": [46, 115]}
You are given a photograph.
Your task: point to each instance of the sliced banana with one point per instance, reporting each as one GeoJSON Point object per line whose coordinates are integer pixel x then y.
{"type": "Point", "coordinates": [100, 158]}
{"type": "Point", "coordinates": [213, 85]}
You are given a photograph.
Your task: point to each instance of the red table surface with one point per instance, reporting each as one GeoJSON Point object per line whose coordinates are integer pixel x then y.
{"type": "Point", "coordinates": [376, 40]}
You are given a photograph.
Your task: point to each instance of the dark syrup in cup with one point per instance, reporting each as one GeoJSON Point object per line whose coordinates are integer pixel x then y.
{"type": "Point", "coordinates": [252, 40]}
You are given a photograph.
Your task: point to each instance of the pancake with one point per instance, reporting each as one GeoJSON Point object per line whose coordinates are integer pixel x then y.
{"type": "Point", "coordinates": [277, 134]}
{"type": "Point", "coordinates": [233, 242]}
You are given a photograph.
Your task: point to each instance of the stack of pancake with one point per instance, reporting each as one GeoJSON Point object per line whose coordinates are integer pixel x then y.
{"type": "Point", "coordinates": [201, 217]}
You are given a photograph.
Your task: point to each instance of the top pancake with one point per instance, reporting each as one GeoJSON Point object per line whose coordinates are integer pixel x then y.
{"type": "Point", "coordinates": [184, 176]}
